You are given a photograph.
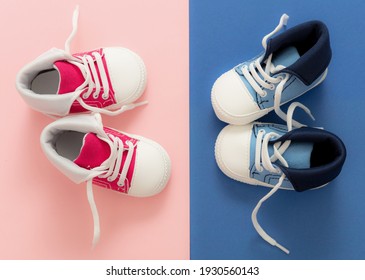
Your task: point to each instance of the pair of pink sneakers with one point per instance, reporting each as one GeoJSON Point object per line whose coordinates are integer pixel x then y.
{"type": "Point", "coordinates": [107, 80]}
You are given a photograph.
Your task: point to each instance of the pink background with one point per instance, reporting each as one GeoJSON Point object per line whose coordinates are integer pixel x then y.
{"type": "Point", "coordinates": [43, 215]}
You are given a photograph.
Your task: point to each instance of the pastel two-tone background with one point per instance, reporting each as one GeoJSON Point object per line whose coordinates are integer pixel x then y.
{"type": "Point", "coordinates": [202, 214]}
{"type": "Point", "coordinates": [321, 224]}
{"type": "Point", "coordinates": [43, 215]}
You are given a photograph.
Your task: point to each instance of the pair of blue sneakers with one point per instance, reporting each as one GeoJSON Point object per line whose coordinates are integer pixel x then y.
{"type": "Point", "coordinates": [291, 157]}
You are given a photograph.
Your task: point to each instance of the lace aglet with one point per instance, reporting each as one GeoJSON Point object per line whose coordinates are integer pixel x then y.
{"type": "Point", "coordinates": [77, 8]}
{"type": "Point", "coordinates": [95, 242]}
{"type": "Point", "coordinates": [141, 103]}
{"type": "Point", "coordinates": [75, 19]}
{"type": "Point", "coordinates": [282, 248]}
{"type": "Point", "coordinates": [135, 105]}
{"type": "Point", "coordinates": [312, 117]}
{"type": "Point", "coordinates": [284, 19]}
{"type": "Point", "coordinates": [94, 212]}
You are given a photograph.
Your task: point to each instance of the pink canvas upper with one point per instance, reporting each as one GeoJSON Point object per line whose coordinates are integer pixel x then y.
{"type": "Point", "coordinates": [71, 78]}
{"type": "Point", "coordinates": [95, 151]}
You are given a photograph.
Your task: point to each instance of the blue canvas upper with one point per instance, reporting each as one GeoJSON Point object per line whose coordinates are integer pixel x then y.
{"type": "Point", "coordinates": [315, 157]}
{"type": "Point", "coordinates": [304, 51]}
{"type": "Point", "coordinates": [266, 176]}
{"type": "Point", "coordinates": [293, 86]}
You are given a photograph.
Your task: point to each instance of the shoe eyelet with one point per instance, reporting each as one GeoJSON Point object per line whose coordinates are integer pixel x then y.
{"type": "Point", "coordinates": [84, 96]}
{"type": "Point", "coordinates": [120, 184]}
{"type": "Point", "coordinates": [278, 171]}
{"type": "Point", "coordinates": [261, 130]}
{"type": "Point", "coordinates": [104, 96]}
{"type": "Point", "coordinates": [109, 179]}
{"type": "Point", "coordinates": [280, 78]}
{"type": "Point", "coordinates": [272, 86]}
{"type": "Point", "coordinates": [264, 93]}
{"type": "Point", "coordinates": [95, 96]}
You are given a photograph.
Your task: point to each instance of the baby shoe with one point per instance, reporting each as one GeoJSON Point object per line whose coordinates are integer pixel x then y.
{"type": "Point", "coordinates": [86, 151]}
{"type": "Point", "coordinates": [277, 156]}
{"type": "Point", "coordinates": [106, 80]}
{"type": "Point", "coordinates": [292, 63]}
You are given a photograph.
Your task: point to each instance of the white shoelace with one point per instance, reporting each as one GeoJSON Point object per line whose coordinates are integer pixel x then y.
{"type": "Point", "coordinates": [259, 84]}
{"type": "Point", "coordinates": [85, 63]}
{"type": "Point", "coordinates": [110, 170]}
{"type": "Point", "coordinates": [264, 161]}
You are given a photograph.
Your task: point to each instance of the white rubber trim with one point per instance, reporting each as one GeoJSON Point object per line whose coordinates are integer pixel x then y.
{"type": "Point", "coordinates": [138, 91]}
{"type": "Point", "coordinates": [166, 160]}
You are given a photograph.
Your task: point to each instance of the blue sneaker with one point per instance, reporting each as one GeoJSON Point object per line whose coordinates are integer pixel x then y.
{"type": "Point", "coordinates": [292, 63]}
{"type": "Point", "coordinates": [279, 157]}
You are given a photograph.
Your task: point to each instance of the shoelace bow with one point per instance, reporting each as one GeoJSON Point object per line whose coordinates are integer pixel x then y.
{"type": "Point", "coordinates": [264, 161]}
{"type": "Point", "coordinates": [92, 83]}
{"type": "Point", "coordinates": [110, 170]}
{"type": "Point", "coordinates": [266, 81]}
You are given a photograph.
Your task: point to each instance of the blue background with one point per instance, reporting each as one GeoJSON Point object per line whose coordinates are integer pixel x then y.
{"type": "Point", "coordinates": [321, 224]}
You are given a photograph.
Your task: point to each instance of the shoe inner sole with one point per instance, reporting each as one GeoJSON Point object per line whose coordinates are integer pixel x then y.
{"type": "Point", "coordinates": [69, 143]}
{"type": "Point", "coordinates": [46, 82]}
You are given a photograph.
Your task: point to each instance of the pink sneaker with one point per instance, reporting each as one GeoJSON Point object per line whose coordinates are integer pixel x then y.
{"type": "Point", "coordinates": [106, 80]}
{"type": "Point", "coordinates": [85, 151]}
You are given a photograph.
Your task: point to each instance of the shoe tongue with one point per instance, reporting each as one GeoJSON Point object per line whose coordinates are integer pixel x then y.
{"type": "Point", "coordinates": [70, 76]}
{"type": "Point", "coordinates": [297, 155]}
{"type": "Point", "coordinates": [93, 153]}
{"type": "Point", "coordinates": [285, 57]}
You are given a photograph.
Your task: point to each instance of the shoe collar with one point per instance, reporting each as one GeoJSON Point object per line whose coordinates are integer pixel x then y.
{"type": "Point", "coordinates": [312, 42]}
{"type": "Point", "coordinates": [314, 177]}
